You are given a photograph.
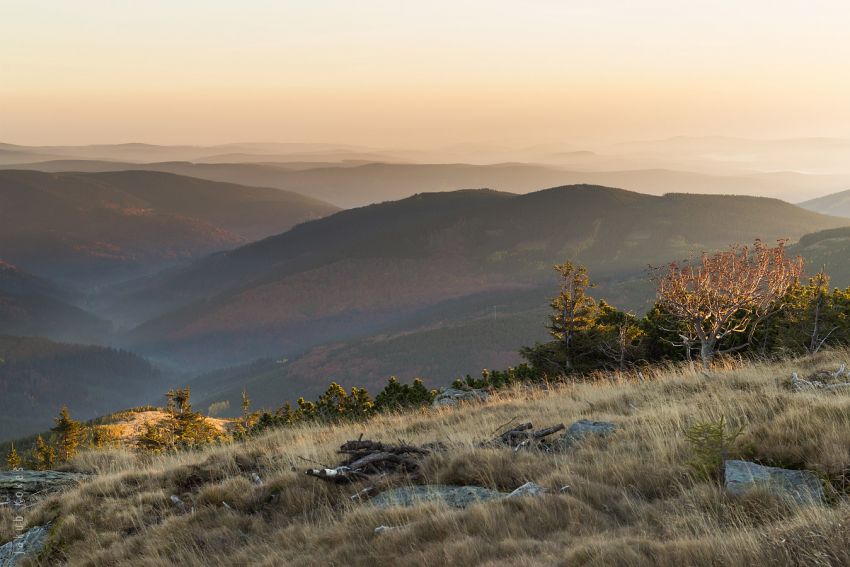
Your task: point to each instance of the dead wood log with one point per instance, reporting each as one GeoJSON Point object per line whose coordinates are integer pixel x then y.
{"type": "Point", "coordinates": [372, 459]}
{"type": "Point", "coordinates": [548, 431]}
{"type": "Point", "coordinates": [522, 437]}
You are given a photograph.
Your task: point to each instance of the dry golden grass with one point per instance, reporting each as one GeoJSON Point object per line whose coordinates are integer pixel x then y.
{"type": "Point", "coordinates": [632, 501]}
{"type": "Point", "coordinates": [127, 427]}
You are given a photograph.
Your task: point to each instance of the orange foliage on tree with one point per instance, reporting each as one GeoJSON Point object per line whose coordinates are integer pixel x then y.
{"type": "Point", "coordinates": [727, 292]}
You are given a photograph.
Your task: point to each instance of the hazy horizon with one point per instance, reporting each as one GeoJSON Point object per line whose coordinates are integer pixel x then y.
{"type": "Point", "coordinates": [383, 75]}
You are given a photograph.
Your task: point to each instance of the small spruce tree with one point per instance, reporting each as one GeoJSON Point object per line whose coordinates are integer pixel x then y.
{"type": "Point", "coordinates": [13, 460]}
{"type": "Point", "coordinates": [44, 455]}
{"type": "Point", "coordinates": [69, 433]}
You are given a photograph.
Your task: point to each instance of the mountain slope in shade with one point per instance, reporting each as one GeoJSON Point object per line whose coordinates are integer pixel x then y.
{"type": "Point", "coordinates": [350, 184]}
{"type": "Point", "coordinates": [356, 273]}
{"type": "Point", "coordinates": [834, 204]}
{"type": "Point", "coordinates": [828, 249]}
{"type": "Point", "coordinates": [39, 376]}
{"type": "Point", "coordinates": [32, 306]}
{"type": "Point", "coordinates": [91, 228]}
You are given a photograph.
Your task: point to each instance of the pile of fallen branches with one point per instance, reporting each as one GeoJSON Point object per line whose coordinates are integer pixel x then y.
{"type": "Point", "coordinates": [523, 437]}
{"type": "Point", "coordinates": [371, 460]}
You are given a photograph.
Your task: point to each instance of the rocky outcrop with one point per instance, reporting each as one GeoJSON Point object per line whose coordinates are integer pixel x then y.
{"type": "Point", "coordinates": [801, 487]}
{"type": "Point", "coordinates": [454, 396]}
{"type": "Point", "coordinates": [20, 487]}
{"type": "Point", "coordinates": [454, 496]}
{"type": "Point", "coordinates": [28, 543]}
{"type": "Point", "coordinates": [586, 428]}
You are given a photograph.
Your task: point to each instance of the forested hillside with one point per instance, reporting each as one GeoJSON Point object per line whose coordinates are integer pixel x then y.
{"type": "Point", "coordinates": [382, 289]}
{"type": "Point", "coordinates": [39, 376]}
{"type": "Point", "coordinates": [32, 306]}
{"type": "Point", "coordinates": [94, 228]}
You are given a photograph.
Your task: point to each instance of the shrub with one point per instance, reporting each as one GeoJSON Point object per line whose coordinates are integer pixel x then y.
{"type": "Point", "coordinates": [711, 444]}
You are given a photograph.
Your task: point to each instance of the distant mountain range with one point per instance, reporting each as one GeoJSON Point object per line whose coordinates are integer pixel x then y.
{"type": "Point", "coordinates": [437, 284]}
{"type": "Point", "coordinates": [146, 153]}
{"type": "Point", "coordinates": [833, 204]}
{"type": "Point", "coordinates": [290, 292]}
{"type": "Point", "coordinates": [349, 184]}
{"type": "Point", "coordinates": [92, 228]}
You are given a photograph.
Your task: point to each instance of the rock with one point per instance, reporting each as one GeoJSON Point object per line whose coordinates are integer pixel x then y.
{"type": "Point", "coordinates": [28, 543]}
{"type": "Point", "coordinates": [28, 484]}
{"type": "Point", "coordinates": [453, 396]}
{"type": "Point", "coordinates": [381, 529]}
{"type": "Point", "coordinates": [802, 487]}
{"type": "Point", "coordinates": [527, 489]}
{"type": "Point", "coordinates": [177, 501]}
{"type": "Point", "coordinates": [585, 427]}
{"type": "Point", "coordinates": [455, 496]}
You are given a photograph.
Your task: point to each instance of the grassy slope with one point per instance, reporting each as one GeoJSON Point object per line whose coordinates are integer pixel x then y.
{"type": "Point", "coordinates": [632, 499]}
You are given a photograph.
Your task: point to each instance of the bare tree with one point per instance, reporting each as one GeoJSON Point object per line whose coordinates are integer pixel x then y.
{"type": "Point", "coordinates": [819, 285]}
{"type": "Point", "coordinates": [727, 293]}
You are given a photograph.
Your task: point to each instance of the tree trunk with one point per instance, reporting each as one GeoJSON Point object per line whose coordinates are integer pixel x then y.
{"type": "Point", "coordinates": [706, 352]}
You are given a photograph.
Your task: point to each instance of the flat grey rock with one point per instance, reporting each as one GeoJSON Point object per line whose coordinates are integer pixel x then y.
{"type": "Point", "coordinates": [453, 396]}
{"type": "Point", "coordinates": [32, 484]}
{"type": "Point", "coordinates": [455, 496]}
{"type": "Point", "coordinates": [802, 487]}
{"type": "Point", "coordinates": [584, 428]}
{"type": "Point", "coordinates": [29, 542]}
{"type": "Point", "coordinates": [527, 489]}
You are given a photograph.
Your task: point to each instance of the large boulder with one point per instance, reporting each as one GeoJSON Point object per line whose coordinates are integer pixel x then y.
{"type": "Point", "coordinates": [28, 543]}
{"type": "Point", "coordinates": [586, 428]}
{"type": "Point", "coordinates": [802, 487]}
{"type": "Point", "coordinates": [454, 496]}
{"type": "Point", "coordinates": [453, 396]}
{"type": "Point", "coordinates": [24, 485]}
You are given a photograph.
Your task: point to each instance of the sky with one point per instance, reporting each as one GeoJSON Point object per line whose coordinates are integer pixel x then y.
{"type": "Point", "coordinates": [390, 73]}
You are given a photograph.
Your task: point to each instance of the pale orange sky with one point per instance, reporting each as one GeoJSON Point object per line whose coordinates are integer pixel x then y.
{"type": "Point", "coordinates": [390, 73]}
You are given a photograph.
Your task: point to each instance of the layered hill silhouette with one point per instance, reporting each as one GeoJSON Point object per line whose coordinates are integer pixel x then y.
{"type": "Point", "coordinates": [349, 184]}
{"type": "Point", "coordinates": [90, 228]}
{"type": "Point", "coordinates": [433, 265]}
{"type": "Point", "coordinates": [828, 250]}
{"type": "Point", "coordinates": [39, 376]}
{"type": "Point", "coordinates": [832, 204]}
{"type": "Point", "coordinates": [30, 305]}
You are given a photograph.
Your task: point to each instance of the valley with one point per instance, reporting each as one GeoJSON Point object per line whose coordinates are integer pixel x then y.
{"type": "Point", "coordinates": [225, 287]}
